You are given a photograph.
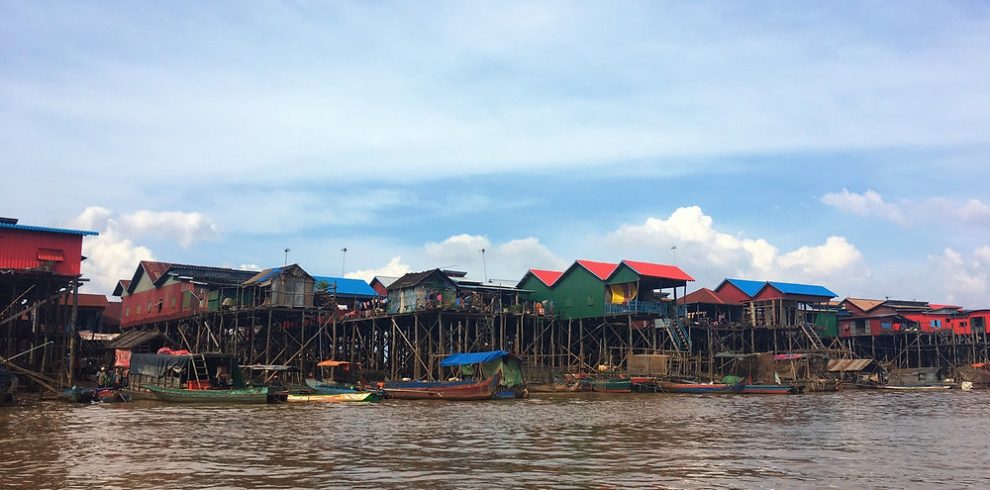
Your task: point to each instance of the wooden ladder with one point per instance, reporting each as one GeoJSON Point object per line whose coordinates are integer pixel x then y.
{"type": "Point", "coordinates": [200, 371]}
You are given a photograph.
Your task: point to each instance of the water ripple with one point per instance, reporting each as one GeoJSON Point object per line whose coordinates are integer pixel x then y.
{"type": "Point", "coordinates": [843, 440]}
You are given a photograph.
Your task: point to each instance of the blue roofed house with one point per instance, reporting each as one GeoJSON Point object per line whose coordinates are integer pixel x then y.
{"type": "Point", "coordinates": [350, 295]}
{"type": "Point", "coordinates": [288, 285]}
{"type": "Point", "coordinates": [784, 304]}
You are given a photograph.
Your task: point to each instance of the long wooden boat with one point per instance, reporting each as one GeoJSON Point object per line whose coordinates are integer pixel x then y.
{"type": "Point", "coordinates": [455, 390]}
{"type": "Point", "coordinates": [260, 394]}
{"type": "Point", "coordinates": [769, 389]}
{"type": "Point", "coordinates": [698, 388]}
{"type": "Point", "coordinates": [77, 394]}
{"type": "Point", "coordinates": [937, 387]}
{"type": "Point", "coordinates": [612, 385]}
{"type": "Point", "coordinates": [323, 388]}
{"type": "Point", "coordinates": [366, 396]}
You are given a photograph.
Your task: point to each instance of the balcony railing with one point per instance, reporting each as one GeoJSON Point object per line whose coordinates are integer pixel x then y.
{"type": "Point", "coordinates": [646, 307]}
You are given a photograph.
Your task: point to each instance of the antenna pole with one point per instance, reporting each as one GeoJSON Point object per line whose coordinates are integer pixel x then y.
{"type": "Point", "coordinates": [484, 264]}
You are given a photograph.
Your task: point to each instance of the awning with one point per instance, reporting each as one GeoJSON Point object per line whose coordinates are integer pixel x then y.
{"type": "Point", "coordinates": [839, 365]}
{"type": "Point", "coordinates": [271, 367]}
{"type": "Point", "coordinates": [333, 363]}
{"type": "Point", "coordinates": [156, 365]}
{"type": "Point", "coordinates": [472, 358]}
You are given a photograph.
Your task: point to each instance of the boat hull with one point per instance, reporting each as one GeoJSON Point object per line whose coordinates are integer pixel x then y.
{"type": "Point", "coordinates": [914, 387]}
{"type": "Point", "coordinates": [769, 390]}
{"type": "Point", "coordinates": [698, 388]}
{"type": "Point", "coordinates": [337, 398]}
{"type": "Point", "coordinates": [242, 395]}
{"type": "Point", "coordinates": [329, 388]}
{"type": "Point", "coordinates": [457, 391]}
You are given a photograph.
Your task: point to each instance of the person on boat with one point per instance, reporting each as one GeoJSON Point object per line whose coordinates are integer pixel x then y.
{"type": "Point", "coordinates": [223, 377]}
{"type": "Point", "coordinates": [104, 379]}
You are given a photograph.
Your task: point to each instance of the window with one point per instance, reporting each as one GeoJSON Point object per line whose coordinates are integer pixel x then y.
{"type": "Point", "coordinates": [591, 300]}
{"type": "Point", "coordinates": [185, 300]}
{"type": "Point", "coordinates": [171, 302]}
{"type": "Point", "coordinates": [127, 311]}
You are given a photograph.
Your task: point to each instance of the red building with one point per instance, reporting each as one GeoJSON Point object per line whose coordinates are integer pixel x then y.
{"type": "Point", "coordinates": [160, 291]}
{"type": "Point", "coordinates": [37, 248]}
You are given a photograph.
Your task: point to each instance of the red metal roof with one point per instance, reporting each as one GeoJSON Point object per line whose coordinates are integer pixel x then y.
{"type": "Point", "coordinates": [545, 276]}
{"type": "Point", "coordinates": [703, 296]}
{"type": "Point", "coordinates": [154, 269]}
{"type": "Point", "coordinates": [601, 269]}
{"type": "Point", "coordinates": [661, 271]}
{"type": "Point", "coordinates": [88, 300]}
{"type": "Point", "coordinates": [936, 306]}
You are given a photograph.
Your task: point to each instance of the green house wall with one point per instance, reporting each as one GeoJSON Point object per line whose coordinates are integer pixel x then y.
{"type": "Point", "coordinates": [623, 275]}
{"type": "Point", "coordinates": [540, 291]}
{"type": "Point", "coordinates": [579, 294]}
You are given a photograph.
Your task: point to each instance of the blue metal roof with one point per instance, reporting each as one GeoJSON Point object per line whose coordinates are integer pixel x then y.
{"type": "Point", "coordinates": [46, 229]}
{"type": "Point", "coordinates": [472, 358]}
{"type": "Point", "coordinates": [802, 289]}
{"type": "Point", "coordinates": [347, 286]}
{"type": "Point", "coordinates": [270, 274]}
{"type": "Point", "coordinates": [747, 286]}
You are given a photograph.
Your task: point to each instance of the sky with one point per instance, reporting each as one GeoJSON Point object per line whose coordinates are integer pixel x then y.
{"type": "Point", "coordinates": [837, 143]}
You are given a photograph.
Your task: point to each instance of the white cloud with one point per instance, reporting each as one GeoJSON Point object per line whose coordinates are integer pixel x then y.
{"type": "Point", "coordinates": [113, 255]}
{"type": "Point", "coordinates": [110, 256]}
{"type": "Point", "coordinates": [983, 255]}
{"type": "Point", "coordinates": [186, 228]}
{"type": "Point", "coordinates": [249, 267]}
{"type": "Point", "coordinates": [394, 268]}
{"type": "Point", "coordinates": [974, 212]}
{"type": "Point", "coordinates": [710, 254]}
{"type": "Point", "coordinates": [869, 203]}
{"type": "Point", "coordinates": [964, 280]}
{"type": "Point", "coordinates": [507, 261]}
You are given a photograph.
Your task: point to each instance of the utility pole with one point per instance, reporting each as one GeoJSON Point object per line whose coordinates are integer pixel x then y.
{"type": "Point", "coordinates": [286, 261]}
{"type": "Point", "coordinates": [343, 261]}
{"type": "Point", "coordinates": [484, 264]}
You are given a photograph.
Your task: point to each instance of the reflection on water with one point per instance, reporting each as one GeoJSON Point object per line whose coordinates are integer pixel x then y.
{"type": "Point", "coordinates": [842, 440]}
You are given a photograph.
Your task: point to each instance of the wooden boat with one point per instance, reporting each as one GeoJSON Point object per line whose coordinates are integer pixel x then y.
{"type": "Point", "coordinates": [698, 388]}
{"type": "Point", "coordinates": [443, 390]}
{"type": "Point", "coordinates": [612, 385]}
{"type": "Point", "coordinates": [261, 394]}
{"type": "Point", "coordinates": [366, 396]}
{"type": "Point", "coordinates": [77, 394]}
{"type": "Point", "coordinates": [769, 389]}
{"type": "Point", "coordinates": [932, 387]}
{"type": "Point", "coordinates": [323, 388]}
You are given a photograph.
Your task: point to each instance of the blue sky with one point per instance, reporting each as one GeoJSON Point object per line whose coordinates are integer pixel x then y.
{"type": "Point", "coordinates": [844, 144]}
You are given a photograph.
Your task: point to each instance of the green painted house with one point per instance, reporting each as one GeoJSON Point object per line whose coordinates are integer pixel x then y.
{"type": "Point", "coordinates": [590, 289]}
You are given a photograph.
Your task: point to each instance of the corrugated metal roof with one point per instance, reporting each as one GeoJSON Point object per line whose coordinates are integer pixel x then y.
{"type": "Point", "coordinates": [154, 269]}
{"type": "Point", "coordinates": [45, 229]}
{"type": "Point", "coordinates": [838, 365]}
{"type": "Point", "coordinates": [384, 280]}
{"type": "Point", "coordinates": [750, 288]}
{"type": "Point", "coordinates": [207, 274]}
{"type": "Point", "coordinates": [865, 304]}
{"type": "Point", "coordinates": [662, 271]}
{"type": "Point", "coordinates": [600, 269]}
{"type": "Point", "coordinates": [344, 286]}
{"type": "Point", "coordinates": [702, 296]}
{"type": "Point", "coordinates": [133, 338]}
{"type": "Point", "coordinates": [546, 277]}
{"type": "Point", "coordinates": [802, 289]}
{"type": "Point", "coordinates": [413, 278]}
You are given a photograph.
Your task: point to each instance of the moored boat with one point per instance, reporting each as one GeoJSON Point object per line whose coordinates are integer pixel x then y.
{"type": "Point", "coordinates": [698, 388]}
{"type": "Point", "coordinates": [261, 394]}
{"type": "Point", "coordinates": [78, 394]}
{"type": "Point", "coordinates": [367, 396]}
{"type": "Point", "coordinates": [455, 391]}
{"type": "Point", "coordinates": [923, 387]}
{"type": "Point", "coordinates": [769, 389]}
{"type": "Point", "coordinates": [323, 388]}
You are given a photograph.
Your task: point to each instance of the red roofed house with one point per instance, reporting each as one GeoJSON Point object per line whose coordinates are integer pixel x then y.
{"type": "Point", "coordinates": [589, 289]}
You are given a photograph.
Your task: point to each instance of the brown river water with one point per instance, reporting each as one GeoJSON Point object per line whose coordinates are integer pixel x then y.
{"type": "Point", "coordinates": [864, 439]}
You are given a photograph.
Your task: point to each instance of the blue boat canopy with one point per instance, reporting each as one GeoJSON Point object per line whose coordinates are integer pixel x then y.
{"type": "Point", "coordinates": [472, 358]}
